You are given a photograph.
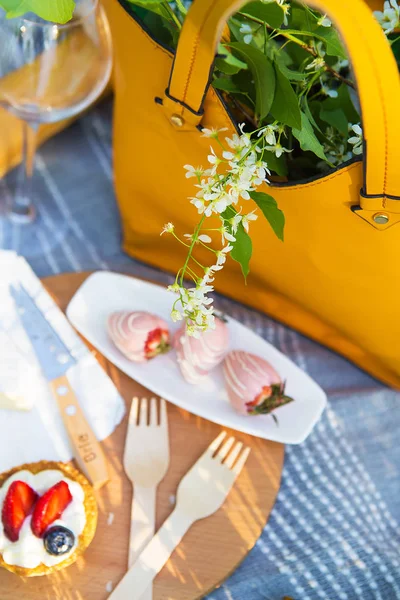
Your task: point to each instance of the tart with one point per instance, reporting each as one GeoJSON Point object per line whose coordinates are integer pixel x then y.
{"type": "Point", "coordinates": [48, 517]}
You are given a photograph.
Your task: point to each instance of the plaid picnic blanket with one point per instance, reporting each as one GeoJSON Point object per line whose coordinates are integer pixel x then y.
{"type": "Point", "coordinates": [333, 533]}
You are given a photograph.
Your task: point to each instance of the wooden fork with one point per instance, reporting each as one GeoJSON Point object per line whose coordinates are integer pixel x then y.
{"type": "Point", "coordinates": [146, 460]}
{"type": "Point", "coordinates": [200, 493]}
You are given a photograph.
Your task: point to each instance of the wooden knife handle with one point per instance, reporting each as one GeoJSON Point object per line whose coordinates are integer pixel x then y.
{"type": "Point", "coordinates": [87, 450]}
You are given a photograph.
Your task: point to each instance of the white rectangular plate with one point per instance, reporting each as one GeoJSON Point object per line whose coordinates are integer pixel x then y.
{"type": "Point", "coordinates": [103, 293]}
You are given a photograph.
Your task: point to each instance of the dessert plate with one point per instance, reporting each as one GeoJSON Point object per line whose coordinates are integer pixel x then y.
{"type": "Point", "coordinates": [103, 293]}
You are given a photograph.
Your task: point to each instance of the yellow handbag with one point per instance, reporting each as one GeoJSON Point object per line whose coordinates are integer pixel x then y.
{"type": "Point", "coordinates": [336, 278]}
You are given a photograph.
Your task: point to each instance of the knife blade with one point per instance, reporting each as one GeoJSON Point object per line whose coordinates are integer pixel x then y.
{"type": "Point", "coordinates": [55, 360]}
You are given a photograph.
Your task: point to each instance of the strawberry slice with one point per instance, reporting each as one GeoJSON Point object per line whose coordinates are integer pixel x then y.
{"type": "Point", "coordinates": [18, 504]}
{"type": "Point", "coordinates": [50, 507]}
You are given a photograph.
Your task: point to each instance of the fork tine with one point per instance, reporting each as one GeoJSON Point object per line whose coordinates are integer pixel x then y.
{"type": "Point", "coordinates": [241, 461]}
{"type": "Point", "coordinates": [230, 461]}
{"type": "Point", "coordinates": [143, 412]}
{"type": "Point", "coordinates": [225, 448]}
{"type": "Point", "coordinates": [163, 412]}
{"type": "Point", "coordinates": [215, 444]}
{"type": "Point", "coordinates": [153, 412]}
{"type": "Point", "coordinates": [133, 415]}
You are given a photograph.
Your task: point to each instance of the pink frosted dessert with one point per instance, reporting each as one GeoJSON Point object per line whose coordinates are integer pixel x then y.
{"type": "Point", "coordinates": [197, 356]}
{"type": "Point", "coordinates": [138, 335]}
{"type": "Point", "coordinates": [253, 385]}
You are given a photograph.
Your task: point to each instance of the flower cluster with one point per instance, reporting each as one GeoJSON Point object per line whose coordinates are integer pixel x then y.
{"type": "Point", "coordinates": [272, 138]}
{"type": "Point", "coordinates": [237, 169]}
{"type": "Point", "coordinates": [389, 18]}
{"type": "Point", "coordinates": [336, 146]}
{"type": "Point", "coordinates": [356, 140]}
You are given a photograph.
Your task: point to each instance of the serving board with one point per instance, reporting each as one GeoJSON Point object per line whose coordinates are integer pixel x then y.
{"type": "Point", "coordinates": [212, 549]}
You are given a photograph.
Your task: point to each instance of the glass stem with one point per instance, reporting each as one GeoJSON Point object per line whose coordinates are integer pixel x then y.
{"type": "Point", "coordinates": [22, 208]}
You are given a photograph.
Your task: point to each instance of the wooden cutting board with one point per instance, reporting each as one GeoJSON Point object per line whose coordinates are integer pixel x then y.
{"type": "Point", "coordinates": [211, 550]}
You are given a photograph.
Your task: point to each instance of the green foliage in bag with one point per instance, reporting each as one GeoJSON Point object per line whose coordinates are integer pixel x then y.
{"type": "Point", "coordinates": [59, 11]}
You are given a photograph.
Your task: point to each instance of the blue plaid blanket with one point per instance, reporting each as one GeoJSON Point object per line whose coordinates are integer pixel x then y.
{"type": "Point", "coordinates": [333, 533]}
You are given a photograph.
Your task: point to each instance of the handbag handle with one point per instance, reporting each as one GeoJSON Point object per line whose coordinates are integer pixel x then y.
{"type": "Point", "coordinates": [375, 71]}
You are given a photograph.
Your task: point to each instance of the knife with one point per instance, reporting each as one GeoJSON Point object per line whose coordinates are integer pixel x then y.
{"type": "Point", "coordinates": [55, 360]}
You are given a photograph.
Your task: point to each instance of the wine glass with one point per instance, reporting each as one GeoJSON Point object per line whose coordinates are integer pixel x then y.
{"type": "Point", "coordinates": [50, 72]}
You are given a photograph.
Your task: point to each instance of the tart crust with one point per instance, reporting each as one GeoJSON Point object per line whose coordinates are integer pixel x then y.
{"type": "Point", "coordinates": [90, 505]}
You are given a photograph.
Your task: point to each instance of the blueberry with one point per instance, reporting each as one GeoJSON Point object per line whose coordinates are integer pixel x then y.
{"type": "Point", "coordinates": [58, 540]}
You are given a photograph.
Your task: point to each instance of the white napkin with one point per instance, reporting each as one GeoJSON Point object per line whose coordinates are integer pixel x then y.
{"type": "Point", "coordinates": [39, 434]}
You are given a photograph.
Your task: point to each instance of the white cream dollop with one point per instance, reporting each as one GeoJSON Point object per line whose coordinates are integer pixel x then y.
{"type": "Point", "coordinates": [29, 551]}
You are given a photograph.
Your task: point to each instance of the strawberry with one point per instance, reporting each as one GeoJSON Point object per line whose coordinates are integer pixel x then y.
{"type": "Point", "coordinates": [198, 356]}
{"type": "Point", "coordinates": [254, 387]}
{"type": "Point", "coordinates": [139, 335]}
{"type": "Point", "coordinates": [50, 507]}
{"type": "Point", "coordinates": [18, 504]}
{"type": "Point", "coordinates": [157, 342]}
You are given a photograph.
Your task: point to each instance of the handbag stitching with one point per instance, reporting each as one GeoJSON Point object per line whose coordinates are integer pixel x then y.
{"type": "Point", "coordinates": [193, 57]}
{"type": "Point", "coordinates": [385, 120]}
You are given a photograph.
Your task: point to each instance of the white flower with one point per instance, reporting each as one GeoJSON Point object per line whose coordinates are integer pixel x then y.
{"type": "Point", "coordinates": [356, 140]}
{"type": "Point", "coordinates": [212, 132]}
{"type": "Point", "coordinates": [212, 158]}
{"type": "Point", "coordinates": [174, 288]}
{"type": "Point", "coordinates": [327, 90]}
{"type": "Point", "coordinates": [176, 315]}
{"type": "Point", "coordinates": [221, 258]}
{"type": "Point", "coordinates": [201, 238]}
{"type": "Point", "coordinates": [168, 228]}
{"type": "Point", "coordinates": [226, 235]}
{"type": "Point", "coordinates": [239, 142]}
{"type": "Point", "coordinates": [193, 171]}
{"type": "Point", "coordinates": [261, 172]}
{"type": "Point", "coordinates": [216, 267]}
{"type": "Point", "coordinates": [285, 6]}
{"type": "Point", "coordinates": [208, 278]}
{"type": "Point", "coordinates": [234, 222]}
{"type": "Point", "coordinates": [268, 133]}
{"type": "Point", "coordinates": [317, 63]}
{"type": "Point", "coordinates": [193, 331]}
{"type": "Point", "coordinates": [389, 19]}
{"type": "Point", "coordinates": [199, 203]}
{"type": "Point", "coordinates": [247, 218]}
{"type": "Point", "coordinates": [324, 21]}
{"type": "Point", "coordinates": [277, 149]}
{"type": "Point", "coordinates": [247, 31]}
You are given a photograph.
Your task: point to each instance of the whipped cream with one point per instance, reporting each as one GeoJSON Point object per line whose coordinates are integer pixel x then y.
{"type": "Point", "coordinates": [29, 551]}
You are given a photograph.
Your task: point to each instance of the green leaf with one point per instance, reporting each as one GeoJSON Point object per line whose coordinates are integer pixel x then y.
{"type": "Point", "coordinates": [154, 6]}
{"type": "Point", "coordinates": [334, 46]}
{"type": "Point", "coordinates": [275, 217]}
{"type": "Point", "coordinates": [242, 249]}
{"type": "Point", "coordinates": [59, 11]}
{"type": "Point", "coordinates": [281, 60]}
{"type": "Point", "coordinates": [343, 102]}
{"type": "Point", "coordinates": [222, 65]}
{"type": "Point", "coordinates": [242, 246]}
{"type": "Point", "coordinates": [300, 18]}
{"type": "Point", "coordinates": [335, 117]}
{"type": "Point", "coordinates": [309, 114]}
{"type": "Point", "coordinates": [271, 12]}
{"type": "Point", "coordinates": [307, 138]}
{"type": "Point", "coordinates": [285, 107]}
{"type": "Point", "coordinates": [230, 59]}
{"type": "Point", "coordinates": [263, 74]}
{"type": "Point", "coordinates": [227, 85]}
{"type": "Point", "coordinates": [275, 164]}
